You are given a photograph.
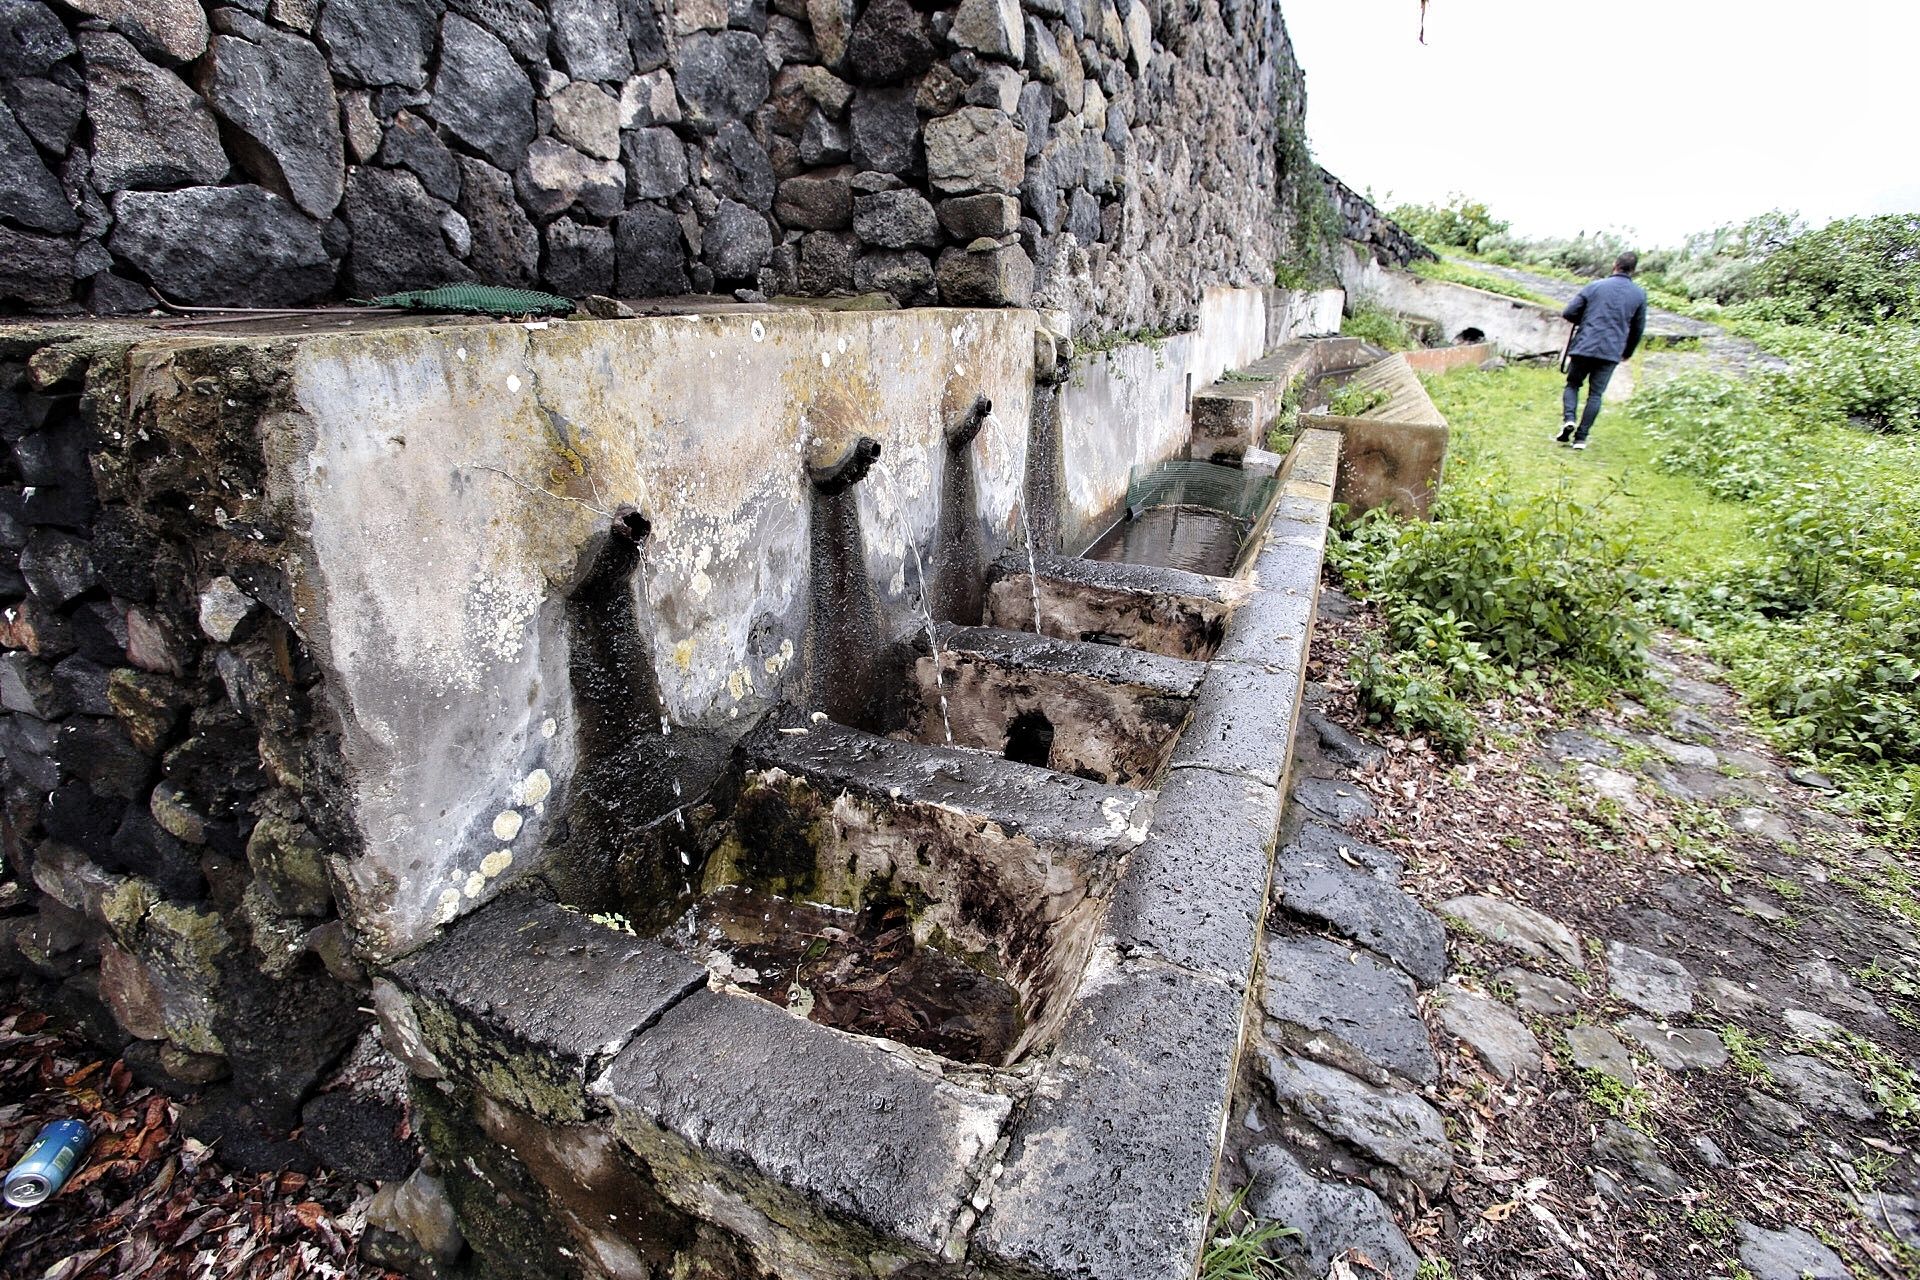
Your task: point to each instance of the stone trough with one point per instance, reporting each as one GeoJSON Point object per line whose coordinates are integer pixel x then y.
{"type": "Point", "coordinates": [767, 857]}
{"type": "Point", "coordinates": [1099, 902]}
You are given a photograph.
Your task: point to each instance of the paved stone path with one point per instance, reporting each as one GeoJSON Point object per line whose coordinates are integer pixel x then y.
{"type": "Point", "coordinates": [1627, 998]}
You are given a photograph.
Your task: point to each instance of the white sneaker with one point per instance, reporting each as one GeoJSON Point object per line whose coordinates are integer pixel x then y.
{"type": "Point", "coordinates": [1579, 444]}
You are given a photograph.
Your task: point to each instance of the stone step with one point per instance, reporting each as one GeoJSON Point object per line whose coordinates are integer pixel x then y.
{"type": "Point", "coordinates": [1008, 864]}
{"type": "Point", "coordinates": [1164, 611]}
{"type": "Point", "coordinates": [1095, 710]}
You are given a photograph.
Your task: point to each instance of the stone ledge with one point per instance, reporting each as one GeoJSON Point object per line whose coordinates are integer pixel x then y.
{"type": "Point", "coordinates": [1078, 659]}
{"type": "Point", "coordinates": [1230, 417]}
{"type": "Point", "coordinates": [1112, 1161]}
{"type": "Point", "coordinates": [1165, 611]}
{"type": "Point", "coordinates": [1392, 453]}
{"type": "Point", "coordinates": [1243, 721]}
{"type": "Point", "coordinates": [1194, 893]}
{"type": "Point", "coordinates": [1044, 807]}
{"type": "Point", "coordinates": [529, 1000]}
{"type": "Point", "coordinates": [816, 1119]}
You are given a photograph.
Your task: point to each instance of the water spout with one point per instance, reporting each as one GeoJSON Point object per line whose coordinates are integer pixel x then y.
{"type": "Point", "coordinates": [958, 587]}
{"type": "Point", "coordinates": [843, 616]}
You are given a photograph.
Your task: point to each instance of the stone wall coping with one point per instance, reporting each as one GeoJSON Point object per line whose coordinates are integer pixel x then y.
{"type": "Point", "coordinates": [1079, 659]}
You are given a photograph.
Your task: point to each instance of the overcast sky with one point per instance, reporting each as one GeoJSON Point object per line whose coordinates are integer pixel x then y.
{"type": "Point", "coordinates": [1656, 116]}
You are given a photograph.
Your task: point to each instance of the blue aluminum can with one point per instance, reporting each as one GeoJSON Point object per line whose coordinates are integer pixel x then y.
{"type": "Point", "coordinates": [56, 1152]}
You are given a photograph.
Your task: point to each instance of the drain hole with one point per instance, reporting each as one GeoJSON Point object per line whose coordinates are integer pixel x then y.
{"type": "Point", "coordinates": [1467, 337]}
{"type": "Point", "coordinates": [1030, 739]}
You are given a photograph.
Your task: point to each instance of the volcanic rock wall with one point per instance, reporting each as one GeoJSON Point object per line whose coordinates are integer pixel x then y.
{"type": "Point", "coordinates": [1112, 157]}
{"type": "Point", "coordinates": [166, 761]}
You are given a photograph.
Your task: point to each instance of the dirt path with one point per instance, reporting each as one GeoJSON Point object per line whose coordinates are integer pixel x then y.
{"type": "Point", "coordinates": [1680, 1020]}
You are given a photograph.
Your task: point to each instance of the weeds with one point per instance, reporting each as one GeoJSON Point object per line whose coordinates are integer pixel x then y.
{"type": "Point", "coordinates": [1624, 1102]}
{"type": "Point", "coordinates": [1238, 1246]}
{"type": "Point", "coordinates": [1381, 328]}
{"type": "Point", "coordinates": [1743, 1051]}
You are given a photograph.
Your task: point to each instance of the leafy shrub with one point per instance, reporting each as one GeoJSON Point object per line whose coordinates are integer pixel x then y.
{"type": "Point", "coordinates": [1714, 430]}
{"type": "Point", "coordinates": [1850, 690]}
{"type": "Point", "coordinates": [1497, 590]}
{"type": "Point", "coordinates": [1872, 374]}
{"type": "Point", "coordinates": [1400, 689]}
{"type": "Point", "coordinates": [1382, 328]}
{"type": "Point", "coordinates": [1851, 272]}
{"type": "Point", "coordinates": [1460, 223]}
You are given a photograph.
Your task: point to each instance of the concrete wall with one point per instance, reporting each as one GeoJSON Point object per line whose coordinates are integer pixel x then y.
{"type": "Point", "coordinates": [1515, 327]}
{"type": "Point", "coordinates": [449, 476]}
{"type": "Point", "coordinates": [1128, 407]}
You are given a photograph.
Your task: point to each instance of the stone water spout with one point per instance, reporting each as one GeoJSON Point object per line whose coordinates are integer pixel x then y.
{"type": "Point", "coordinates": [843, 624]}
{"type": "Point", "coordinates": [630, 844]}
{"type": "Point", "coordinates": [958, 589]}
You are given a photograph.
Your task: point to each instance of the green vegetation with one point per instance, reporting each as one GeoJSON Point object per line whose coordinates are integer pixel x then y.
{"type": "Point", "coordinates": [1506, 587]}
{"type": "Point", "coordinates": [1460, 223]}
{"type": "Point", "coordinates": [1776, 516]}
{"type": "Point", "coordinates": [1238, 1247]}
{"type": "Point", "coordinates": [1354, 401]}
{"type": "Point", "coordinates": [1624, 1102]}
{"type": "Point", "coordinates": [1456, 273]}
{"type": "Point", "coordinates": [1381, 328]}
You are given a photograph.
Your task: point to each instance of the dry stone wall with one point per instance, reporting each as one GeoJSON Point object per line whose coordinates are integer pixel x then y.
{"type": "Point", "coordinates": [166, 761]}
{"type": "Point", "coordinates": [1111, 157]}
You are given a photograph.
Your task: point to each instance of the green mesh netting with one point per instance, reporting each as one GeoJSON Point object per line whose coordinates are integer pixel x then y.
{"type": "Point", "coordinates": [477, 300]}
{"type": "Point", "coordinates": [1199, 484]}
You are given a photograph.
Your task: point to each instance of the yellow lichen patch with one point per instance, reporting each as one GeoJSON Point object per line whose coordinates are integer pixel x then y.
{"type": "Point", "coordinates": [506, 824]}
{"type": "Point", "coordinates": [496, 862]}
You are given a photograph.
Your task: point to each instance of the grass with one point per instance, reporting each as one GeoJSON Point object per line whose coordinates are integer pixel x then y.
{"type": "Point", "coordinates": [1457, 273]}
{"type": "Point", "coordinates": [1237, 1248]}
{"type": "Point", "coordinates": [1509, 417]}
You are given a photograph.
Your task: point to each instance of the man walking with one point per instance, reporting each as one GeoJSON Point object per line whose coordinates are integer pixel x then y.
{"type": "Point", "coordinates": [1611, 315]}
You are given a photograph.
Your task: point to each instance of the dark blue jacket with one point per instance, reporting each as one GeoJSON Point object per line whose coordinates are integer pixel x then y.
{"type": "Point", "coordinates": [1612, 314]}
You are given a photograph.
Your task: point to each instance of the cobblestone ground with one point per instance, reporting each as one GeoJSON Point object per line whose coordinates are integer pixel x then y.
{"type": "Point", "coordinates": [1673, 1030]}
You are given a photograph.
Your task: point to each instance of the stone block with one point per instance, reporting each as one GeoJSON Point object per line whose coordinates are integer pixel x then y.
{"type": "Point", "coordinates": [1195, 891]}
{"type": "Point", "coordinates": [150, 129]}
{"type": "Point", "coordinates": [733, 1085]}
{"type": "Point", "coordinates": [891, 41]}
{"type": "Point", "coordinates": [986, 274]}
{"type": "Point", "coordinates": [1243, 721]}
{"type": "Point", "coordinates": [1111, 1163]}
{"type": "Point", "coordinates": [975, 149]}
{"type": "Point", "coordinates": [994, 28]}
{"type": "Point", "coordinates": [896, 220]}
{"type": "Point", "coordinates": [1394, 1128]}
{"type": "Point", "coordinates": [535, 1032]}
{"type": "Point", "coordinates": [1333, 1219]}
{"type": "Point", "coordinates": [1317, 882]}
{"type": "Point", "coordinates": [481, 95]}
{"type": "Point", "coordinates": [903, 273]}
{"type": "Point", "coordinates": [381, 42]}
{"type": "Point", "coordinates": [817, 201]}
{"type": "Point", "coordinates": [885, 128]}
{"type": "Point", "coordinates": [721, 76]}
{"type": "Point", "coordinates": [28, 687]}
{"type": "Point", "coordinates": [968, 218]}
{"type": "Point", "coordinates": [240, 246]}
{"type": "Point", "coordinates": [273, 90]}
{"type": "Point", "coordinates": [1346, 1008]}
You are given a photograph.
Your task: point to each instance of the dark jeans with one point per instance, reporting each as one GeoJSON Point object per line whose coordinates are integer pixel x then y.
{"type": "Point", "coordinates": [1596, 374]}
